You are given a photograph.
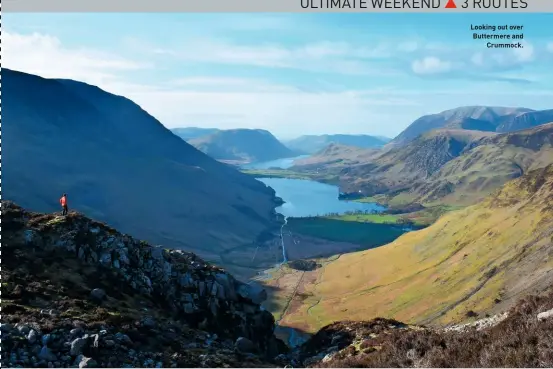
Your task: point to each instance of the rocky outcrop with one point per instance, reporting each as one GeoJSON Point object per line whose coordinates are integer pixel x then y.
{"type": "Point", "coordinates": [73, 266]}
{"type": "Point", "coordinates": [514, 338]}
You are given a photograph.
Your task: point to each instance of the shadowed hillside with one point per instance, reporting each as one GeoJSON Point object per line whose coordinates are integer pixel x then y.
{"type": "Point", "coordinates": [66, 136]}
{"type": "Point", "coordinates": [245, 145]}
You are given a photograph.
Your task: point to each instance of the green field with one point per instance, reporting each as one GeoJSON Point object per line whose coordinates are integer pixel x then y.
{"type": "Point", "coordinates": [419, 218]}
{"type": "Point", "coordinates": [367, 218]}
{"type": "Point", "coordinates": [290, 174]}
{"type": "Point", "coordinates": [367, 235]}
{"type": "Point", "coordinates": [275, 173]}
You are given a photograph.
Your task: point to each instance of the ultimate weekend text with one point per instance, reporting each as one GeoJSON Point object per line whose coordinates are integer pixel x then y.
{"type": "Point", "coordinates": [411, 4]}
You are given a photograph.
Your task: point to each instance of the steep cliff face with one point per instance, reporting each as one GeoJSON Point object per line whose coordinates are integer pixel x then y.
{"type": "Point", "coordinates": [77, 292]}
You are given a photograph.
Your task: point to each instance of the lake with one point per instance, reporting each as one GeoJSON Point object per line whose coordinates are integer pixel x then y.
{"type": "Point", "coordinates": [309, 198]}
{"type": "Point", "coordinates": [278, 163]}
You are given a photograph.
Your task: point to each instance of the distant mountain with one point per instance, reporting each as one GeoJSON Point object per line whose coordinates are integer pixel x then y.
{"type": "Point", "coordinates": [310, 144]}
{"type": "Point", "coordinates": [190, 133]}
{"type": "Point", "coordinates": [67, 136]}
{"type": "Point", "coordinates": [244, 145]}
{"type": "Point", "coordinates": [384, 138]}
{"type": "Point", "coordinates": [457, 166]}
{"type": "Point", "coordinates": [478, 118]}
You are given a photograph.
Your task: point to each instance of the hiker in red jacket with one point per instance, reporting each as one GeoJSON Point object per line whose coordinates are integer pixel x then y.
{"type": "Point", "coordinates": [63, 203]}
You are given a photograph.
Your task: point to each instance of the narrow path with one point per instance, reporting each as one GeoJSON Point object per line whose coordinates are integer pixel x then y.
{"type": "Point", "coordinates": [285, 310]}
{"type": "Point", "coordinates": [284, 257]}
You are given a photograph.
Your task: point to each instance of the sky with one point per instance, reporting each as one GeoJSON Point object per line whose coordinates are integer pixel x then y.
{"type": "Point", "coordinates": [292, 74]}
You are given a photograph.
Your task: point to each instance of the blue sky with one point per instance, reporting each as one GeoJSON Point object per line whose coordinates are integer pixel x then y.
{"type": "Point", "coordinates": [292, 74]}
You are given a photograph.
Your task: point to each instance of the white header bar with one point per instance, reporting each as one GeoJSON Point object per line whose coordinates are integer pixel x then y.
{"type": "Point", "coordinates": [288, 6]}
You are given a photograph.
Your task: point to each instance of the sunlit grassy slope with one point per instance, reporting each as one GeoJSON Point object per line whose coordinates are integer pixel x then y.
{"type": "Point", "coordinates": [480, 258]}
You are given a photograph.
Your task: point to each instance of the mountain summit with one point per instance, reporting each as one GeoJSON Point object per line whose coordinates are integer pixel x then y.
{"type": "Point", "coordinates": [476, 118]}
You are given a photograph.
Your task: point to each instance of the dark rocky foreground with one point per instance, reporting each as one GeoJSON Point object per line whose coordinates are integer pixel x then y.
{"type": "Point", "coordinates": [76, 293]}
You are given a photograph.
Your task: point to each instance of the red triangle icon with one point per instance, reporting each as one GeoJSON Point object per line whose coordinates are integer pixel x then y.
{"type": "Point", "coordinates": [451, 5]}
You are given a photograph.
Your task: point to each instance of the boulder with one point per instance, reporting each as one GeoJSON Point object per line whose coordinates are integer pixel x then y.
{"type": "Point", "coordinates": [97, 294]}
{"type": "Point", "coordinates": [545, 315]}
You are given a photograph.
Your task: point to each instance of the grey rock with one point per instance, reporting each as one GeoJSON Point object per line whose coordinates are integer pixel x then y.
{"type": "Point", "coordinates": [47, 355]}
{"type": "Point", "coordinates": [76, 332]}
{"type": "Point", "coordinates": [45, 339]}
{"type": "Point", "coordinates": [35, 350]}
{"type": "Point", "coordinates": [32, 337]}
{"type": "Point", "coordinates": [109, 343]}
{"type": "Point", "coordinates": [332, 349]}
{"type": "Point", "coordinates": [314, 359]}
{"type": "Point", "coordinates": [244, 345]}
{"type": "Point", "coordinates": [77, 346]}
{"type": "Point", "coordinates": [328, 357]}
{"type": "Point", "coordinates": [545, 315]}
{"type": "Point", "coordinates": [105, 259]}
{"type": "Point", "coordinates": [87, 362]}
{"type": "Point", "coordinates": [123, 339]}
{"type": "Point", "coordinates": [4, 328]}
{"type": "Point", "coordinates": [157, 253]}
{"type": "Point", "coordinates": [228, 285]}
{"type": "Point", "coordinates": [23, 329]}
{"type": "Point", "coordinates": [94, 341]}
{"type": "Point", "coordinates": [148, 363]}
{"type": "Point", "coordinates": [254, 292]}
{"type": "Point", "coordinates": [50, 312]}
{"type": "Point", "coordinates": [149, 322]}
{"type": "Point", "coordinates": [98, 294]}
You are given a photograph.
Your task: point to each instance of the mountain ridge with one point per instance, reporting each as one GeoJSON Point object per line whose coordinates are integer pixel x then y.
{"type": "Point", "coordinates": [188, 133]}
{"type": "Point", "coordinates": [246, 145]}
{"type": "Point", "coordinates": [65, 136]}
{"type": "Point", "coordinates": [482, 118]}
{"type": "Point", "coordinates": [310, 144]}
{"type": "Point", "coordinates": [456, 166]}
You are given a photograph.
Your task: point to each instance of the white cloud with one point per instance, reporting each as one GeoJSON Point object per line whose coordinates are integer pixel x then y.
{"type": "Point", "coordinates": [45, 55]}
{"type": "Point", "coordinates": [408, 46]}
{"type": "Point", "coordinates": [524, 54]}
{"type": "Point", "coordinates": [230, 84]}
{"type": "Point", "coordinates": [477, 59]}
{"type": "Point", "coordinates": [335, 57]}
{"type": "Point", "coordinates": [229, 102]}
{"type": "Point", "coordinates": [431, 65]}
{"type": "Point", "coordinates": [205, 101]}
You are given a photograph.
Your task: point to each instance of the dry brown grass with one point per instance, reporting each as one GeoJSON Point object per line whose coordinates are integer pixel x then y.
{"type": "Point", "coordinates": [519, 341]}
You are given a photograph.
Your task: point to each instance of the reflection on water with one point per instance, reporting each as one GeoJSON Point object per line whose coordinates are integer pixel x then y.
{"type": "Point", "coordinates": [279, 163]}
{"type": "Point", "coordinates": [308, 198]}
